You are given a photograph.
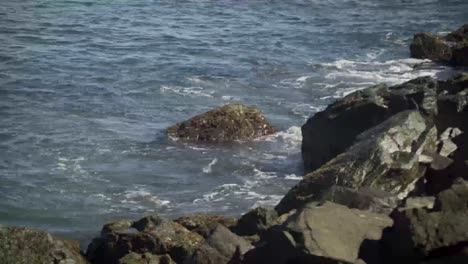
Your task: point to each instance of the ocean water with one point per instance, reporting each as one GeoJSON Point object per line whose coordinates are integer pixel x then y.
{"type": "Point", "coordinates": [87, 88]}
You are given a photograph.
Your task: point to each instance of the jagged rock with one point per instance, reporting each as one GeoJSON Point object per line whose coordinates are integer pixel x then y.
{"type": "Point", "coordinates": [146, 258]}
{"type": "Point", "coordinates": [226, 123]}
{"type": "Point", "coordinates": [452, 48]}
{"type": "Point", "coordinates": [256, 221]}
{"type": "Point", "coordinates": [385, 158]}
{"type": "Point", "coordinates": [330, 132]}
{"type": "Point", "coordinates": [222, 246]}
{"type": "Point", "coordinates": [20, 245]}
{"type": "Point", "coordinates": [364, 199]}
{"type": "Point", "coordinates": [151, 234]}
{"type": "Point", "coordinates": [423, 233]}
{"type": "Point", "coordinates": [327, 233]}
{"type": "Point", "coordinates": [204, 224]}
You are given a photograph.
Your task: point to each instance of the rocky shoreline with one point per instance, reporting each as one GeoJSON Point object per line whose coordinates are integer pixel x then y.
{"type": "Point", "coordinates": [386, 182]}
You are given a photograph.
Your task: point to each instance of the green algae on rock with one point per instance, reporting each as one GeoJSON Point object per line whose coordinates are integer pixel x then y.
{"type": "Point", "coordinates": [452, 49]}
{"type": "Point", "coordinates": [226, 123]}
{"type": "Point", "coordinates": [20, 245]}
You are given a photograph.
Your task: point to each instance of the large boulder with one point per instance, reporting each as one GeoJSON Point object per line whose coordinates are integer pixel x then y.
{"type": "Point", "coordinates": [151, 234]}
{"type": "Point", "coordinates": [425, 233]}
{"type": "Point", "coordinates": [204, 224]}
{"type": "Point", "coordinates": [146, 258]}
{"type": "Point", "coordinates": [390, 157]}
{"type": "Point", "coordinates": [221, 247]}
{"type": "Point", "coordinates": [20, 245]}
{"type": "Point", "coordinates": [226, 123]}
{"type": "Point", "coordinates": [452, 48]}
{"type": "Point", "coordinates": [332, 131]}
{"type": "Point", "coordinates": [256, 221]}
{"type": "Point", "coordinates": [320, 233]}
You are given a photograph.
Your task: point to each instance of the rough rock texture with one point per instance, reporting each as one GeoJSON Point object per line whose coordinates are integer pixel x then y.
{"type": "Point", "coordinates": [330, 132]}
{"type": "Point", "coordinates": [151, 234]}
{"type": "Point", "coordinates": [256, 221]}
{"type": "Point", "coordinates": [423, 233]}
{"type": "Point", "coordinates": [363, 198]}
{"type": "Point", "coordinates": [226, 123]}
{"type": "Point", "coordinates": [204, 224]}
{"type": "Point", "coordinates": [452, 123]}
{"type": "Point", "coordinates": [146, 258]}
{"type": "Point", "coordinates": [452, 48]}
{"type": "Point", "coordinates": [327, 233]}
{"type": "Point", "coordinates": [385, 158]}
{"type": "Point", "coordinates": [222, 246]}
{"type": "Point", "coordinates": [19, 245]}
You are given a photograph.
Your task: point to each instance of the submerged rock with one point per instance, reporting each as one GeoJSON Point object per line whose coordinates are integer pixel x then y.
{"type": "Point", "coordinates": [151, 234]}
{"type": "Point", "coordinates": [226, 123]}
{"type": "Point", "coordinates": [327, 233]}
{"type": "Point", "coordinates": [452, 48]}
{"type": "Point", "coordinates": [330, 132]}
{"type": "Point", "coordinates": [20, 245]}
{"type": "Point", "coordinates": [385, 158]}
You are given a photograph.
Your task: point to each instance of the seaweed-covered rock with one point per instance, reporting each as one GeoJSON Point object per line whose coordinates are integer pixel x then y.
{"type": "Point", "coordinates": [452, 48]}
{"type": "Point", "coordinates": [151, 234]}
{"type": "Point", "coordinates": [386, 157]}
{"type": "Point", "coordinates": [332, 131]}
{"type": "Point", "coordinates": [425, 233]}
{"type": "Point", "coordinates": [226, 123]}
{"type": "Point", "coordinates": [20, 245]}
{"type": "Point", "coordinates": [204, 224]}
{"type": "Point", "coordinates": [326, 233]}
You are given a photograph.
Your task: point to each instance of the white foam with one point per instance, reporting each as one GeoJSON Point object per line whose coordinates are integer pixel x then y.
{"type": "Point", "coordinates": [187, 91]}
{"type": "Point", "coordinates": [347, 76]}
{"type": "Point", "coordinates": [293, 177]}
{"type": "Point", "coordinates": [208, 168]}
{"type": "Point", "coordinates": [264, 175]}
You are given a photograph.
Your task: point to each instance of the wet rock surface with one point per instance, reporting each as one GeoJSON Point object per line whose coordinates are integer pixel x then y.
{"type": "Point", "coordinates": [20, 245]}
{"type": "Point", "coordinates": [223, 124]}
{"type": "Point", "coordinates": [452, 48]}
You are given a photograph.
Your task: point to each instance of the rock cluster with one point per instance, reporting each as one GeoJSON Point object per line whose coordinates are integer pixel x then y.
{"type": "Point", "coordinates": [386, 182]}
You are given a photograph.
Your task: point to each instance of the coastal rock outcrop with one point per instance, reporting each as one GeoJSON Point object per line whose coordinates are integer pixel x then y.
{"type": "Point", "coordinates": [388, 158]}
{"type": "Point", "coordinates": [332, 131]}
{"type": "Point", "coordinates": [452, 48]}
{"type": "Point", "coordinates": [426, 233]}
{"type": "Point", "coordinates": [204, 224]}
{"type": "Point", "coordinates": [20, 245]}
{"type": "Point", "coordinates": [151, 234]}
{"type": "Point", "coordinates": [319, 233]}
{"type": "Point", "coordinates": [226, 123]}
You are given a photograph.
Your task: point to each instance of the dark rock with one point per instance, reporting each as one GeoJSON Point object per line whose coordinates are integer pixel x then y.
{"type": "Point", "coordinates": [424, 233]}
{"type": "Point", "coordinates": [151, 234]}
{"type": "Point", "coordinates": [204, 224]}
{"type": "Point", "coordinates": [255, 221]}
{"type": "Point", "coordinates": [226, 123]}
{"type": "Point", "coordinates": [452, 48]}
{"type": "Point", "coordinates": [222, 246]}
{"type": "Point", "coordinates": [364, 199]}
{"type": "Point", "coordinates": [430, 46]}
{"type": "Point", "coordinates": [327, 233]}
{"type": "Point", "coordinates": [332, 131]}
{"type": "Point", "coordinates": [146, 258]}
{"type": "Point", "coordinates": [20, 245]}
{"type": "Point", "coordinates": [385, 158]}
